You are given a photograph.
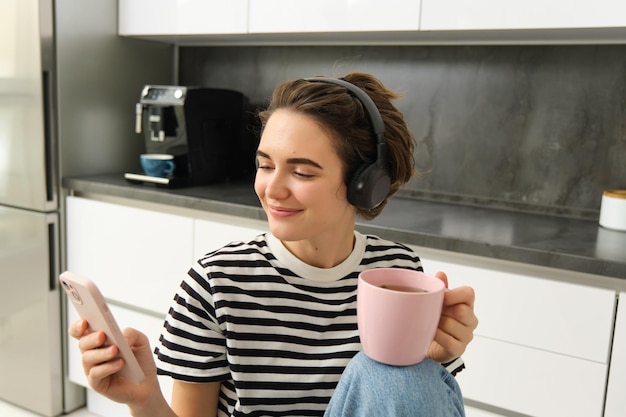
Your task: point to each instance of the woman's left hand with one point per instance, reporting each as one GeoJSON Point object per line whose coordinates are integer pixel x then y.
{"type": "Point", "coordinates": [457, 323]}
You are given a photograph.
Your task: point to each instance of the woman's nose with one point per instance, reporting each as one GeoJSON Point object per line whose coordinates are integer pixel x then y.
{"type": "Point", "coordinates": [276, 187]}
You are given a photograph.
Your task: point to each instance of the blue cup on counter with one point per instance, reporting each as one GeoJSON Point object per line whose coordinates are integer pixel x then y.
{"type": "Point", "coordinates": [157, 164]}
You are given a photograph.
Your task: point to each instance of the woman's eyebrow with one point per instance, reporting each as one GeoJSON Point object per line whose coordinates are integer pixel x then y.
{"type": "Point", "coordinates": [304, 161]}
{"type": "Point", "coordinates": [262, 154]}
{"type": "Point", "coordinates": [295, 161]}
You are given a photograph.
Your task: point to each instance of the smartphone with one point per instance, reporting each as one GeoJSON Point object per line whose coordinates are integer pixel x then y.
{"type": "Point", "coordinates": [91, 306]}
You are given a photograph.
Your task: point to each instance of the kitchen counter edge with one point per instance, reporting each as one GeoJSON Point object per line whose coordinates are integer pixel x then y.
{"type": "Point", "coordinates": [238, 199]}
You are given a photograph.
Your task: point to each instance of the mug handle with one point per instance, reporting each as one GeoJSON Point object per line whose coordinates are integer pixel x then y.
{"type": "Point", "coordinates": [170, 167]}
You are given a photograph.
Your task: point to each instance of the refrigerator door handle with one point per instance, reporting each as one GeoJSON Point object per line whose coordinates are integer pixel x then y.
{"type": "Point", "coordinates": [49, 140]}
{"type": "Point", "coordinates": [53, 252]}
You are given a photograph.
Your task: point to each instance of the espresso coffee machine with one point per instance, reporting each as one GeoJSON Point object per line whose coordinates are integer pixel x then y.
{"type": "Point", "coordinates": [207, 130]}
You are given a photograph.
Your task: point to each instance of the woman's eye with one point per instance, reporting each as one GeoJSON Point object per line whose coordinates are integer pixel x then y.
{"type": "Point", "coordinates": [303, 175]}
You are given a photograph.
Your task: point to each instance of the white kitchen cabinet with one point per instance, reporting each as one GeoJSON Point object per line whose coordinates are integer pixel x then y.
{"type": "Point", "coordinates": [189, 17]}
{"type": "Point", "coordinates": [219, 230]}
{"type": "Point", "coordinates": [477, 412]}
{"type": "Point", "coordinates": [136, 256]}
{"type": "Point", "coordinates": [260, 22]}
{"type": "Point", "coordinates": [303, 16]}
{"type": "Point", "coordinates": [542, 345]}
{"type": "Point", "coordinates": [528, 14]}
{"type": "Point", "coordinates": [616, 390]}
{"type": "Point", "coordinates": [531, 381]}
{"type": "Point", "coordinates": [528, 310]}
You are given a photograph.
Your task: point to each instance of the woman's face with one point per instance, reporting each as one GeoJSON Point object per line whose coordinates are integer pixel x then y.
{"type": "Point", "coordinates": [299, 180]}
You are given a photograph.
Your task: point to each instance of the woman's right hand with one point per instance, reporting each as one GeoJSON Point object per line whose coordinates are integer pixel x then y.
{"type": "Point", "coordinates": [101, 364]}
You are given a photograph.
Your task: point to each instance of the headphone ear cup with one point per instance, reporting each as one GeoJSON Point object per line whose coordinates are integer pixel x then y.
{"type": "Point", "coordinates": [369, 186]}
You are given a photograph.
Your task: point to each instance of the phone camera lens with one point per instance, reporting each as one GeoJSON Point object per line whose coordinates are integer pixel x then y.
{"type": "Point", "coordinates": [76, 296]}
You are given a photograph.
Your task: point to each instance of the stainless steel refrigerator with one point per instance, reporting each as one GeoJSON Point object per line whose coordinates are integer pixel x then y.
{"type": "Point", "coordinates": [68, 85]}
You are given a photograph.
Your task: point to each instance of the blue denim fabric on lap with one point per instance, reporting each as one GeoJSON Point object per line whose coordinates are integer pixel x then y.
{"type": "Point", "coordinates": [371, 389]}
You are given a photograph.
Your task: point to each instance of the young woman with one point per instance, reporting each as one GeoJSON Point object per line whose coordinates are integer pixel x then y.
{"type": "Point", "coordinates": [268, 327]}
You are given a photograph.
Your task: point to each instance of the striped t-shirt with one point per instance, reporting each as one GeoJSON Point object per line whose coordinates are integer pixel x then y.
{"type": "Point", "coordinates": [275, 331]}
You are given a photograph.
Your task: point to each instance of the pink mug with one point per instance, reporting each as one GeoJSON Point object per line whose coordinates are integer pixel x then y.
{"type": "Point", "coordinates": [398, 313]}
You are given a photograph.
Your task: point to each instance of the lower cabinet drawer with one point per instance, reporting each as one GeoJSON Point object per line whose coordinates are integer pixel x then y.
{"type": "Point", "coordinates": [531, 381]}
{"type": "Point", "coordinates": [530, 309]}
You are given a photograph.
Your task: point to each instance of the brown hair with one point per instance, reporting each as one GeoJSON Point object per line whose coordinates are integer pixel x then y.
{"type": "Point", "coordinates": [345, 117]}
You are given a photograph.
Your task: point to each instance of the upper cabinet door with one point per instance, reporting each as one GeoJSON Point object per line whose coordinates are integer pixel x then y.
{"type": "Point", "coordinates": [189, 17]}
{"type": "Point", "coordinates": [527, 14]}
{"type": "Point", "coordinates": [305, 16]}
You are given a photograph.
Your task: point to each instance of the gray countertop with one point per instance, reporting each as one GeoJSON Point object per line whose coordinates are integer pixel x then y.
{"type": "Point", "coordinates": [542, 240]}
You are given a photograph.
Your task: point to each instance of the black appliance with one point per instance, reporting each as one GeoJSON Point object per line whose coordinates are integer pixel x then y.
{"type": "Point", "coordinates": [207, 130]}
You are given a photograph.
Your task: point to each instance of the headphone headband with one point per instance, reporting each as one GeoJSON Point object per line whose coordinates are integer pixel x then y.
{"type": "Point", "coordinates": [378, 125]}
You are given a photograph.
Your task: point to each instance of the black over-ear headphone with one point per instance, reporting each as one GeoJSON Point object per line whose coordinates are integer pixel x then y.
{"type": "Point", "coordinates": [370, 183]}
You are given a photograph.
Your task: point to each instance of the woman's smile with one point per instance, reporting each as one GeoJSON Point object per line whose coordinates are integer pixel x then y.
{"type": "Point", "coordinates": [282, 212]}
